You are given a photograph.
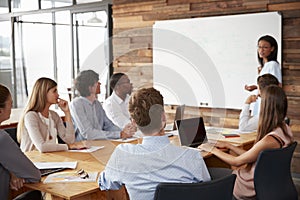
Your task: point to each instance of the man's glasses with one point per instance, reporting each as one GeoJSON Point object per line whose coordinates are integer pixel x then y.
{"type": "Point", "coordinates": [83, 174]}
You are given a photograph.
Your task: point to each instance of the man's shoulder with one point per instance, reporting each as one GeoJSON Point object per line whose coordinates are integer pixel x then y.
{"type": "Point", "coordinates": [107, 101]}
{"type": "Point", "coordinates": [126, 147]}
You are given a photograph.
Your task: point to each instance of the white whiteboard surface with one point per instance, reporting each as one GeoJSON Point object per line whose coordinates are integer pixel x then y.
{"type": "Point", "coordinates": [207, 61]}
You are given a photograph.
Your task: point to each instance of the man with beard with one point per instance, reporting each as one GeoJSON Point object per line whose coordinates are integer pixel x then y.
{"type": "Point", "coordinates": [116, 105]}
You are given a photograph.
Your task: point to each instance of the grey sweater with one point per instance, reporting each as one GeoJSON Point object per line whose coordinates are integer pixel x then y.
{"type": "Point", "coordinates": [12, 160]}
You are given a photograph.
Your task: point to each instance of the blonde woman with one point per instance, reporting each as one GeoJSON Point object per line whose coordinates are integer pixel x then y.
{"type": "Point", "coordinates": [39, 126]}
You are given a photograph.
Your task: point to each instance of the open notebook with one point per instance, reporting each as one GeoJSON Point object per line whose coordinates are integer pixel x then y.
{"type": "Point", "coordinates": [47, 168]}
{"type": "Point", "coordinates": [45, 172]}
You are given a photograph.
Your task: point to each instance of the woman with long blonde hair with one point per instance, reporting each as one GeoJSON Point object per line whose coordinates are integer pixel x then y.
{"type": "Point", "coordinates": [39, 126]}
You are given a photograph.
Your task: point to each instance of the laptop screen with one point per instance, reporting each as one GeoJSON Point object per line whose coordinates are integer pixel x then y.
{"type": "Point", "coordinates": [191, 131]}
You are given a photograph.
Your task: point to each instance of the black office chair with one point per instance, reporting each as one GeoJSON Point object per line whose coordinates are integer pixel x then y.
{"type": "Point", "coordinates": [287, 120]}
{"type": "Point", "coordinates": [272, 175]}
{"type": "Point", "coordinates": [13, 134]}
{"type": "Point", "coordinates": [213, 190]}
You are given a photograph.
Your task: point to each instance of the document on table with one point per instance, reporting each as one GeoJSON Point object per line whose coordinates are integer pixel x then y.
{"type": "Point", "coordinates": [171, 133]}
{"type": "Point", "coordinates": [51, 165]}
{"type": "Point", "coordinates": [220, 130]}
{"type": "Point", "coordinates": [70, 177]}
{"type": "Point", "coordinates": [217, 133]}
{"type": "Point", "coordinates": [126, 139]}
{"type": "Point", "coordinates": [87, 150]}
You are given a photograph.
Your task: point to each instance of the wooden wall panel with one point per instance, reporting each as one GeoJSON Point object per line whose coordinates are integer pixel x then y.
{"type": "Point", "coordinates": [132, 46]}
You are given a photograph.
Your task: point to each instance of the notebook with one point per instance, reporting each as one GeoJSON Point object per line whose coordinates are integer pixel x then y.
{"type": "Point", "coordinates": [191, 132]}
{"type": "Point", "coordinates": [45, 172]}
{"type": "Point", "coordinates": [47, 168]}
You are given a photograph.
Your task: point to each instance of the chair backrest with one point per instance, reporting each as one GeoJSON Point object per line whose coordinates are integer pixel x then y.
{"type": "Point", "coordinates": [213, 190]}
{"type": "Point", "coordinates": [13, 134]}
{"type": "Point", "coordinates": [178, 115]}
{"type": "Point", "coordinates": [272, 175]}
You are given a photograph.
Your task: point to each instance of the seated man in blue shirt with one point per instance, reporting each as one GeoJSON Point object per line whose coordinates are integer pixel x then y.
{"type": "Point", "coordinates": [141, 167]}
{"type": "Point", "coordinates": [90, 120]}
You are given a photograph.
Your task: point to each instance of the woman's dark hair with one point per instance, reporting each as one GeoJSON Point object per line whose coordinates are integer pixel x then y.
{"type": "Point", "coordinates": [273, 54]}
{"type": "Point", "coordinates": [114, 79]}
{"type": "Point", "coordinates": [4, 94]}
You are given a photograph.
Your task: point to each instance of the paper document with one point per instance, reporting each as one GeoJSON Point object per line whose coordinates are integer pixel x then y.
{"type": "Point", "coordinates": [50, 165]}
{"type": "Point", "coordinates": [169, 127]}
{"type": "Point", "coordinates": [220, 130]}
{"type": "Point", "coordinates": [88, 150]}
{"type": "Point", "coordinates": [126, 139]}
{"type": "Point", "coordinates": [170, 133]}
{"type": "Point", "coordinates": [214, 136]}
{"type": "Point", "coordinates": [70, 177]}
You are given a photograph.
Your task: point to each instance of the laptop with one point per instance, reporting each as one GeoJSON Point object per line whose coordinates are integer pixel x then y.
{"type": "Point", "coordinates": [191, 132]}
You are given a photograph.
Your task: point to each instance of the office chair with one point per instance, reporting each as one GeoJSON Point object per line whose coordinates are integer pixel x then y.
{"type": "Point", "coordinates": [178, 115]}
{"type": "Point", "coordinates": [217, 189]}
{"type": "Point", "coordinates": [287, 120]}
{"type": "Point", "coordinates": [272, 174]}
{"type": "Point", "coordinates": [13, 134]}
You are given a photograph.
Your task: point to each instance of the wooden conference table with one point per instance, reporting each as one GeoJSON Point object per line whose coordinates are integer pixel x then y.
{"type": "Point", "coordinates": [96, 162]}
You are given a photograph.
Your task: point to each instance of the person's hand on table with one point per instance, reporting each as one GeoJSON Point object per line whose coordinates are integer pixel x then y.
{"type": "Point", "coordinates": [221, 145]}
{"type": "Point", "coordinates": [208, 147]}
{"type": "Point", "coordinates": [15, 182]}
{"type": "Point", "coordinates": [79, 145]}
{"type": "Point", "coordinates": [128, 131]}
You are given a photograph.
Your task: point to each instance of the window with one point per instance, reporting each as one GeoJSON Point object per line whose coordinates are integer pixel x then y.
{"type": "Point", "coordinates": [54, 43]}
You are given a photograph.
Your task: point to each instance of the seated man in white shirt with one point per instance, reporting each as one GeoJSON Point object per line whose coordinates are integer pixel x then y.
{"type": "Point", "coordinates": [116, 105]}
{"type": "Point", "coordinates": [247, 122]}
{"type": "Point", "coordinates": [141, 167]}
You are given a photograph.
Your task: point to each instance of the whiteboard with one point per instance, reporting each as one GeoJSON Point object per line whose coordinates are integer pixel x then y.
{"type": "Point", "coordinates": [207, 61]}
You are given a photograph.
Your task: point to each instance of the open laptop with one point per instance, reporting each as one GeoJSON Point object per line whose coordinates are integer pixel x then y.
{"type": "Point", "coordinates": [191, 132]}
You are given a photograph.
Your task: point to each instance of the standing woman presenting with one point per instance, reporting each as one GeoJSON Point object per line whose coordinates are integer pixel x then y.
{"type": "Point", "coordinates": [39, 126]}
{"type": "Point", "coordinates": [267, 50]}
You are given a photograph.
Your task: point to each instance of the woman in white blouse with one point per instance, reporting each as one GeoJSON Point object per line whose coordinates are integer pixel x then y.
{"type": "Point", "coordinates": [39, 126]}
